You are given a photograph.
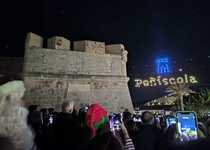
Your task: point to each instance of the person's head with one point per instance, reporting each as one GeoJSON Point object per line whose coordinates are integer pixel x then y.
{"type": "Point", "coordinates": [32, 108]}
{"type": "Point", "coordinates": [51, 110]}
{"type": "Point", "coordinates": [147, 117]}
{"type": "Point", "coordinates": [96, 118]}
{"type": "Point", "coordinates": [205, 116]}
{"type": "Point", "coordinates": [13, 120]}
{"type": "Point", "coordinates": [12, 91]}
{"type": "Point", "coordinates": [127, 116]}
{"type": "Point", "coordinates": [44, 110]}
{"type": "Point", "coordinates": [68, 106]}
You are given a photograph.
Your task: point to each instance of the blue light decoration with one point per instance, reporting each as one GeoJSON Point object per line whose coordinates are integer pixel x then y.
{"type": "Point", "coordinates": [162, 66]}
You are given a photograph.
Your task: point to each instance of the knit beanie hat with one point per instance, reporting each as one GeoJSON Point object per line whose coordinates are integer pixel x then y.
{"type": "Point", "coordinates": [96, 117]}
{"type": "Point", "coordinates": [11, 87]}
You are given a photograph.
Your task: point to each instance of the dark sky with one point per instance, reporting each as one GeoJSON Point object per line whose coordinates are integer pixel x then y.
{"type": "Point", "coordinates": [179, 29]}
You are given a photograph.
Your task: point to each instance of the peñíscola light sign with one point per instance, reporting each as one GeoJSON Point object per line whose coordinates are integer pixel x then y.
{"type": "Point", "coordinates": [164, 81]}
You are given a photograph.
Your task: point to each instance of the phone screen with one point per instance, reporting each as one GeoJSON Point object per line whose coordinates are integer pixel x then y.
{"type": "Point", "coordinates": [115, 122]}
{"type": "Point", "coordinates": [187, 126]}
{"type": "Point", "coordinates": [170, 121]}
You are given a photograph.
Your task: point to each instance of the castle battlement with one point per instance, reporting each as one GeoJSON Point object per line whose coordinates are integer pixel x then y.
{"type": "Point", "coordinates": [87, 46]}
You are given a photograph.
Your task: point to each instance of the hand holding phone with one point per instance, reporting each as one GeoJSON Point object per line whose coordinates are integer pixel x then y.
{"type": "Point", "coordinates": [187, 126]}
{"type": "Point", "coordinates": [171, 120]}
{"type": "Point", "coordinates": [115, 122]}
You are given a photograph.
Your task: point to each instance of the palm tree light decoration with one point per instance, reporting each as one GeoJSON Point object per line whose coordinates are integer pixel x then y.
{"type": "Point", "coordinates": [179, 91]}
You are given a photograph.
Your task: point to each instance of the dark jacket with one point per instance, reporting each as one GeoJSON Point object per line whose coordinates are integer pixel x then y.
{"type": "Point", "coordinates": [66, 132]}
{"type": "Point", "coordinates": [147, 138]}
{"type": "Point", "coordinates": [105, 141]}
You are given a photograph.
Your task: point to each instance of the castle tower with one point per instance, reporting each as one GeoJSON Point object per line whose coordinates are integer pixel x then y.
{"type": "Point", "coordinates": [91, 72]}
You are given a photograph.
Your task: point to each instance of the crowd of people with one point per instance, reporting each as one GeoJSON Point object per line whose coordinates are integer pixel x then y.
{"type": "Point", "coordinates": [89, 128]}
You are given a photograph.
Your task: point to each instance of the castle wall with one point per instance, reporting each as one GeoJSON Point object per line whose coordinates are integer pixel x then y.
{"type": "Point", "coordinates": [52, 91]}
{"type": "Point", "coordinates": [53, 76]}
{"type": "Point", "coordinates": [72, 63]}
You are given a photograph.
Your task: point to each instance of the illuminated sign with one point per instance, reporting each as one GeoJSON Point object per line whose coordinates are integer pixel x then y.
{"type": "Point", "coordinates": [159, 81]}
{"type": "Point", "coordinates": [162, 66]}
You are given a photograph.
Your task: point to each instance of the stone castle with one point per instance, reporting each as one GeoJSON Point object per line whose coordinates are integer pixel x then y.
{"type": "Point", "coordinates": [91, 72]}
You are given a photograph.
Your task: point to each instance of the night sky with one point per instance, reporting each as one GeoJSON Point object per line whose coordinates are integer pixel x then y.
{"type": "Point", "coordinates": [178, 29]}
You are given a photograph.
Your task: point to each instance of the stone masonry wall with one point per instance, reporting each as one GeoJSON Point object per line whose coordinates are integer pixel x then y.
{"type": "Point", "coordinates": [51, 91]}
{"type": "Point", "coordinates": [72, 63]}
{"type": "Point", "coordinates": [53, 76]}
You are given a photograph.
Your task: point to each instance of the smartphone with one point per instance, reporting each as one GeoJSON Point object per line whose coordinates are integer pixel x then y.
{"type": "Point", "coordinates": [115, 122]}
{"type": "Point", "coordinates": [187, 126]}
{"type": "Point", "coordinates": [171, 120]}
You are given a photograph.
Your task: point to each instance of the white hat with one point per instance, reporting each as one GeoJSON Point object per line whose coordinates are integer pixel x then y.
{"type": "Point", "coordinates": [11, 87]}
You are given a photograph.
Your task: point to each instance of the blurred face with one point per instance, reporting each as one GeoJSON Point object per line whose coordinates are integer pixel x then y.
{"type": "Point", "coordinates": [70, 107]}
{"type": "Point", "coordinates": [149, 116]}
